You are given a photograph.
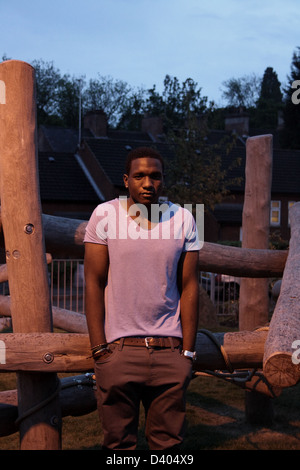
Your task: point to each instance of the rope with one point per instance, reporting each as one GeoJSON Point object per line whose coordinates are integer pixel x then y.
{"type": "Point", "coordinates": [237, 377]}
{"type": "Point", "coordinates": [39, 406]}
{"type": "Point", "coordinates": [87, 381]}
{"type": "Point", "coordinates": [220, 348]}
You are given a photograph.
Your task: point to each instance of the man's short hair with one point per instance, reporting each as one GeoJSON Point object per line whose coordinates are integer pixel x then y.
{"type": "Point", "coordinates": [142, 152]}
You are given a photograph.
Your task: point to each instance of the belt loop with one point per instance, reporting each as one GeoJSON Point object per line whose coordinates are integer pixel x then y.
{"type": "Point", "coordinates": [171, 343]}
{"type": "Point", "coordinates": [120, 347]}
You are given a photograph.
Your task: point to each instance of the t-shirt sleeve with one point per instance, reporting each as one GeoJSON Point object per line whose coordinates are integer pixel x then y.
{"type": "Point", "coordinates": [191, 242]}
{"type": "Point", "coordinates": [95, 231]}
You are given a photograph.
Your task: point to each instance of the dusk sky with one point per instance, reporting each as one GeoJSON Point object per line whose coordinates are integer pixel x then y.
{"type": "Point", "coordinates": [140, 41]}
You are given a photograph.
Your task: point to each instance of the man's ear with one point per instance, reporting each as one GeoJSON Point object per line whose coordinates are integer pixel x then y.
{"type": "Point", "coordinates": [125, 179]}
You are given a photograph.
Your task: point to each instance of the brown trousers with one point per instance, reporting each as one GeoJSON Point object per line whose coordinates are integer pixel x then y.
{"type": "Point", "coordinates": [156, 377]}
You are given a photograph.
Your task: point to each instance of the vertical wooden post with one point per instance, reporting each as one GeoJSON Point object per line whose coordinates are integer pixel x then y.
{"type": "Point", "coordinates": [39, 410]}
{"type": "Point", "coordinates": [254, 299]}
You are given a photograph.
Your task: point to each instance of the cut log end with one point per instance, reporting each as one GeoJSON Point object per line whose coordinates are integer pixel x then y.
{"type": "Point", "coordinates": [280, 370]}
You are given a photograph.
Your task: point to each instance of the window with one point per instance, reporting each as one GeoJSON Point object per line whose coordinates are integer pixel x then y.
{"type": "Point", "coordinates": [275, 213]}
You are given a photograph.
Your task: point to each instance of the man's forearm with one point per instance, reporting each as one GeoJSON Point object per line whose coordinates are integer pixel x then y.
{"type": "Point", "coordinates": [189, 306]}
{"type": "Point", "coordinates": [95, 313]}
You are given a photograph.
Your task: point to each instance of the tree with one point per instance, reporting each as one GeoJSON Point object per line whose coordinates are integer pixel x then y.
{"type": "Point", "coordinates": [270, 100]}
{"type": "Point", "coordinates": [109, 95]}
{"type": "Point", "coordinates": [133, 111]}
{"type": "Point", "coordinates": [176, 102]}
{"type": "Point", "coordinates": [242, 92]}
{"type": "Point", "coordinates": [47, 85]}
{"type": "Point", "coordinates": [68, 97]}
{"type": "Point", "coordinates": [290, 136]}
{"type": "Point", "coordinates": [197, 173]}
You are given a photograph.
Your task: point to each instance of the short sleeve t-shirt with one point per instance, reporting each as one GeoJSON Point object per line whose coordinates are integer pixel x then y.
{"type": "Point", "coordinates": [141, 295]}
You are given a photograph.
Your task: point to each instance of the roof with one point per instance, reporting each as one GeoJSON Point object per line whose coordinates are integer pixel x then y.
{"type": "Point", "coordinates": [111, 155]}
{"type": "Point", "coordinates": [128, 135]}
{"type": "Point", "coordinates": [285, 171]}
{"type": "Point", "coordinates": [61, 178]}
{"type": "Point", "coordinates": [61, 139]}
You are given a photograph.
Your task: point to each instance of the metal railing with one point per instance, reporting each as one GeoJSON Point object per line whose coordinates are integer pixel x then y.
{"type": "Point", "coordinates": [67, 284]}
{"type": "Point", "coordinates": [223, 291]}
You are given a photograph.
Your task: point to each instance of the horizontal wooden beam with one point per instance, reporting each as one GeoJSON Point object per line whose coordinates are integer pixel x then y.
{"type": "Point", "coordinates": [70, 352]}
{"type": "Point", "coordinates": [242, 262]}
{"type": "Point", "coordinates": [67, 320]}
{"type": "Point", "coordinates": [45, 352]}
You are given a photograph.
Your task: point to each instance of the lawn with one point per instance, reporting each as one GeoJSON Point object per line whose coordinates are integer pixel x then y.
{"type": "Point", "coordinates": [216, 421]}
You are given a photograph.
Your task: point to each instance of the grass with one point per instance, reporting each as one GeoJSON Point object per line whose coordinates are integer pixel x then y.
{"type": "Point", "coordinates": [216, 421]}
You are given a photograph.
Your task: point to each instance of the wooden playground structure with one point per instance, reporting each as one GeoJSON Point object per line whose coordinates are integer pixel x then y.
{"type": "Point", "coordinates": [262, 356]}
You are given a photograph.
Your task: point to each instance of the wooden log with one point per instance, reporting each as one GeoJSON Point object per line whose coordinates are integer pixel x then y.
{"type": "Point", "coordinates": [242, 262]}
{"type": "Point", "coordinates": [281, 356]}
{"type": "Point", "coordinates": [64, 235]}
{"type": "Point", "coordinates": [77, 397]}
{"type": "Point", "coordinates": [45, 352]}
{"type": "Point", "coordinates": [254, 299]}
{"type": "Point", "coordinates": [70, 352]}
{"type": "Point", "coordinates": [243, 349]}
{"type": "Point", "coordinates": [62, 318]}
{"type": "Point", "coordinates": [25, 248]}
{"type": "Point", "coordinates": [69, 321]}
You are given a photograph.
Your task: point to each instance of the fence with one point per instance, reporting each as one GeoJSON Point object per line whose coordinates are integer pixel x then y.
{"type": "Point", "coordinates": [223, 291]}
{"type": "Point", "coordinates": [66, 279]}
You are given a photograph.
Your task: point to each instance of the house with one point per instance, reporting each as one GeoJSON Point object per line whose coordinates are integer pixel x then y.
{"type": "Point", "coordinates": [285, 189]}
{"type": "Point", "coordinates": [79, 172]}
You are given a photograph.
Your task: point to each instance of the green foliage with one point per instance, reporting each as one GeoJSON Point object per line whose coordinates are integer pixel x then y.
{"type": "Point", "coordinates": [47, 85]}
{"type": "Point", "coordinates": [269, 102]}
{"type": "Point", "coordinates": [242, 92]}
{"type": "Point", "coordinates": [197, 173]}
{"type": "Point", "coordinates": [109, 95]}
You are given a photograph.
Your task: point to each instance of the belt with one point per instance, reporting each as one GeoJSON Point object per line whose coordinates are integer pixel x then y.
{"type": "Point", "coordinates": [150, 341]}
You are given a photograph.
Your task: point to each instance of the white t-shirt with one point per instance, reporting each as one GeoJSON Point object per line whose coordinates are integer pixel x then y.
{"type": "Point", "coordinates": [141, 296]}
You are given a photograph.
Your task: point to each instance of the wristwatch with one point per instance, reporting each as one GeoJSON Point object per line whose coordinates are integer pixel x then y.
{"type": "Point", "coordinates": [191, 354]}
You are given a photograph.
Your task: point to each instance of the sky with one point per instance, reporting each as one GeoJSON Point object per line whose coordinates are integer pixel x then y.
{"type": "Point", "coordinates": [141, 41]}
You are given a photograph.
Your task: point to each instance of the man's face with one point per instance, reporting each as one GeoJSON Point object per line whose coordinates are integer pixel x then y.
{"type": "Point", "coordinates": [145, 180]}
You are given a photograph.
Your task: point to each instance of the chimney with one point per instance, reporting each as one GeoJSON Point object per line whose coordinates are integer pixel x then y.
{"type": "Point", "coordinates": [153, 125]}
{"type": "Point", "coordinates": [238, 123]}
{"type": "Point", "coordinates": [96, 122]}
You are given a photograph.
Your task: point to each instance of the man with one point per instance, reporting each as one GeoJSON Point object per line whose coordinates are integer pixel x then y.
{"type": "Point", "coordinates": [142, 307]}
